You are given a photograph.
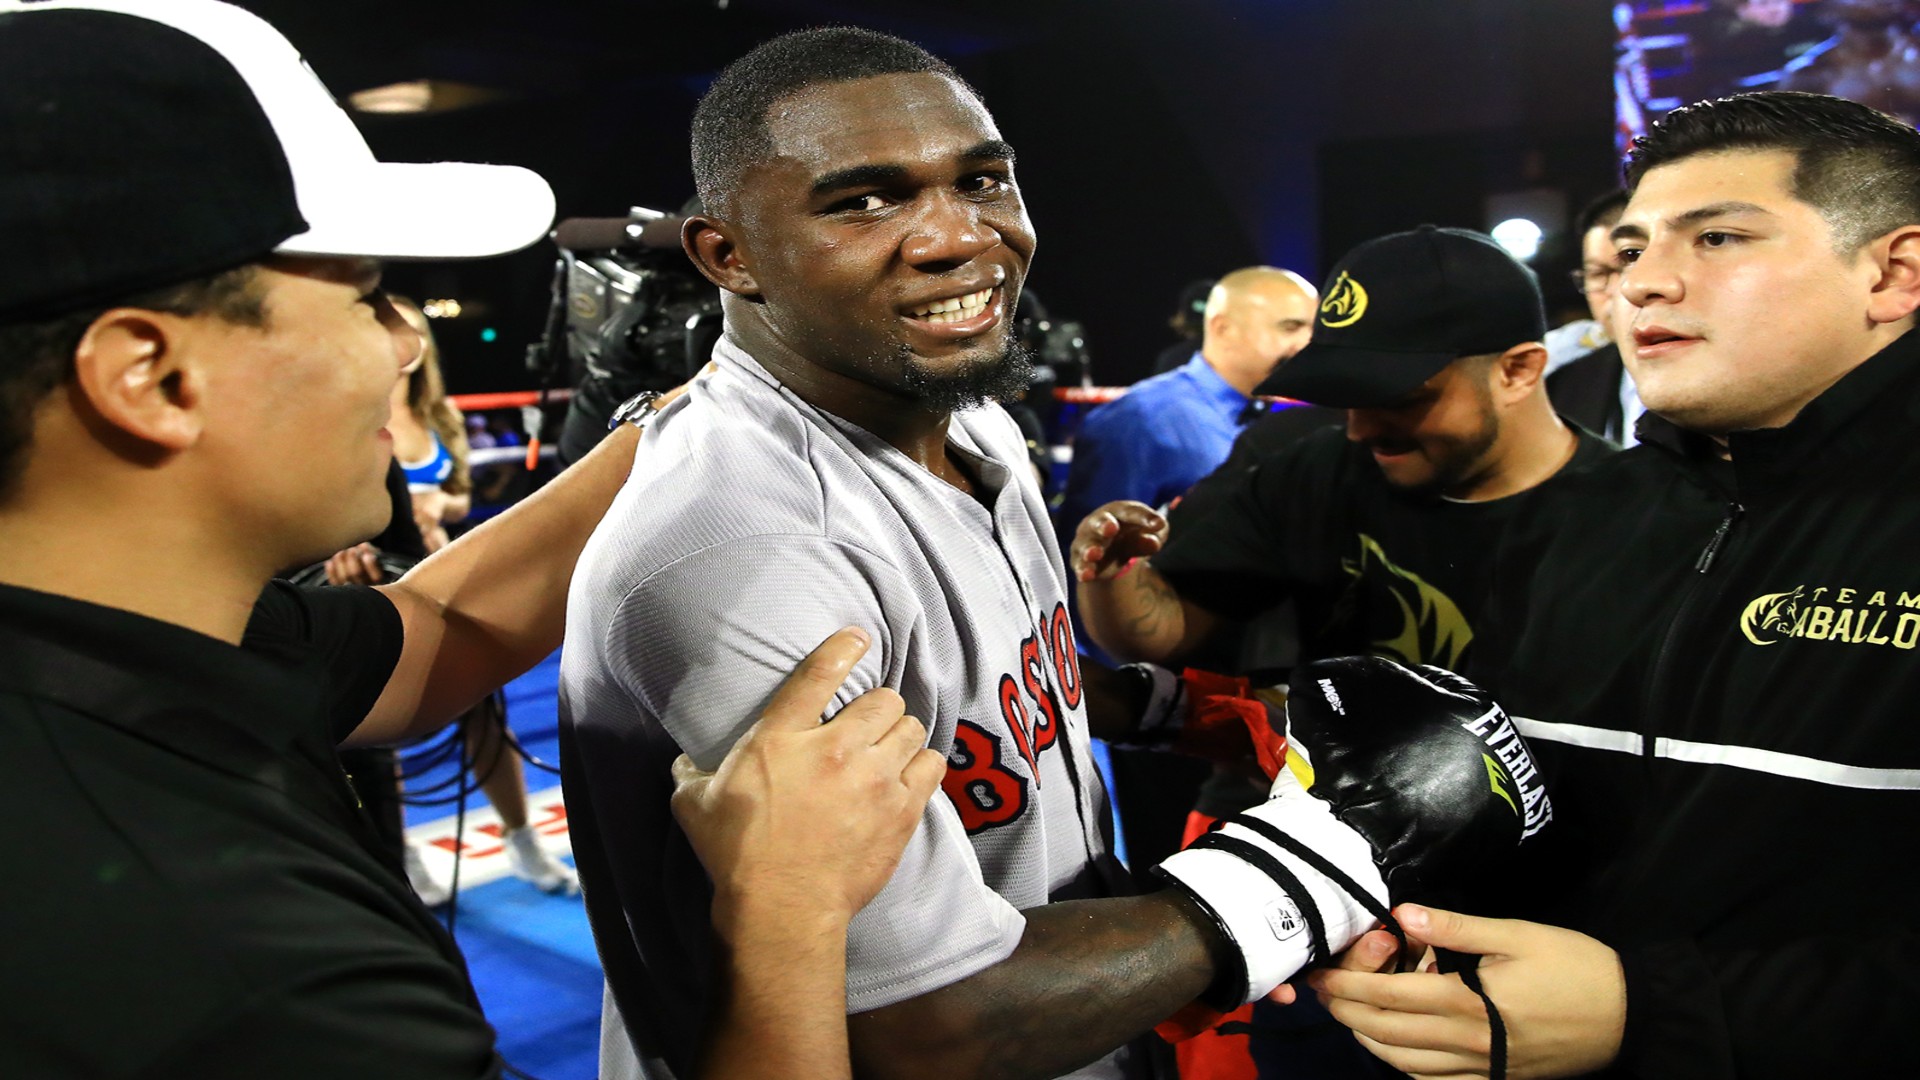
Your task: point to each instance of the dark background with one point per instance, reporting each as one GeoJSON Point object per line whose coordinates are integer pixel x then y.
{"type": "Point", "coordinates": [1160, 140]}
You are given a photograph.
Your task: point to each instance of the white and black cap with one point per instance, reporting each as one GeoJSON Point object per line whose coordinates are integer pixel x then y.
{"type": "Point", "coordinates": [148, 142]}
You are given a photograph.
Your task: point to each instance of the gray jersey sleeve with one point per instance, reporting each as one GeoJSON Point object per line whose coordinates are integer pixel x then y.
{"type": "Point", "coordinates": [702, 643]}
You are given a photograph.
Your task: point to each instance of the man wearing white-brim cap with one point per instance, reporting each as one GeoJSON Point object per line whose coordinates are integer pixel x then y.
{"type": "Point", "coordinates": [195, 366]}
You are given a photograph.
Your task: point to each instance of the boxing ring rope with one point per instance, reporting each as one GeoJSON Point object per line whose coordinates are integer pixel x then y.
{"type": "Point", "coordinates": [511, 399]}
{"type": "Point", "coordinates": [501, 455]}
{"type": "Point", "coordinates": [521, 399]}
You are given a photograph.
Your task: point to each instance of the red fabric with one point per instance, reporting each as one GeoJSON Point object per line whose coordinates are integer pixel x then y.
{"type": "Point", "coordinates": [1204, 1054]}
{"type": "Point", "coordinates": [1221, 713]}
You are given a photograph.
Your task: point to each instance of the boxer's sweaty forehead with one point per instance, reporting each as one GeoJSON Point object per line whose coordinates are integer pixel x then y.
{"type": "Point", "coordinates": [875, 131]}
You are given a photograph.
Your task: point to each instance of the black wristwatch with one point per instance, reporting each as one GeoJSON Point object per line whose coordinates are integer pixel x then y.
{"type": "Point", "coordinates": [636, 410]}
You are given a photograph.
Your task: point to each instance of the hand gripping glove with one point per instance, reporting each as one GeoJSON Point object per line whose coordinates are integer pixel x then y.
{"type": "Point", "coordinates": [1420, 783]}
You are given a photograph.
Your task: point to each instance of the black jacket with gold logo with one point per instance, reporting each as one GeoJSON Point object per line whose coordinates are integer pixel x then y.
{"type": "Point", "coordinates": [1719, 667]}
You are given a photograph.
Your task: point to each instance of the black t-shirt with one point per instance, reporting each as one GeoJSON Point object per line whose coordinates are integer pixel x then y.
{"type": "Point", "coordinates": [1371, 568]}
{"type": "Point", "coordinates": [195, 891]}
{"type": "Point", "coordinates": [402, 534]}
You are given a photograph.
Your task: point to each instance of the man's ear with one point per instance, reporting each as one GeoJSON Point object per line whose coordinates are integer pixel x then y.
{"type": "Point", "coordinates": [131, 368]}
{"type": "Point", "coordinates": [1218, 326]}
{"type": "Point", "coordinates": [1518, 371]}
{"type": "Point", "coordinates": [710, 244]}
{"type": "Point", "coordinates": [1896, 256]}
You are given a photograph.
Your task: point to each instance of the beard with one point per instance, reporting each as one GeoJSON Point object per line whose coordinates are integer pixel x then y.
{"type": "Point", "coordinates": [1459, 463]}
{"type": "Point", "coordinates": [1001, 376]}
{"type": "Point", "coordinates": [1455, 462]}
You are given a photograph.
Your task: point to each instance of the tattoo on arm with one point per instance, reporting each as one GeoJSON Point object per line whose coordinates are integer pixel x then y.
{"type": "Point", "coordinates": [1154, 615]}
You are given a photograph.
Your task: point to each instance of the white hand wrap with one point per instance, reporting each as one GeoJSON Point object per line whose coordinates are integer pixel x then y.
{"type": "Point", "coordinates": [1239, 874]}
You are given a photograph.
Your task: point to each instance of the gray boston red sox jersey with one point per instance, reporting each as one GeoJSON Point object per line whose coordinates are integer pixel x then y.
{"type": "Point", "coordinates": [754, 526]}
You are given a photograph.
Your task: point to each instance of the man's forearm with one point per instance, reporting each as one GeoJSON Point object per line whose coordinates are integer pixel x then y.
{"type": "Point", "coordinates": [782, 1012]}
{"type": "Point", "coordinates": [1088, 976]}
{"type": "Point", "coordinates": [1138, 616]}
{"type": "Point", "coordinates": [492, 604]}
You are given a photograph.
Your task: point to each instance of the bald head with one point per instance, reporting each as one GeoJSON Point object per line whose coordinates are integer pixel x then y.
{"type": "Point", "coordinates": [1257, 317]}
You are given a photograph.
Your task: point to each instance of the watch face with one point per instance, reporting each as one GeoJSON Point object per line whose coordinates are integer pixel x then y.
{"type": "Point", "coordinates": [635, 410]}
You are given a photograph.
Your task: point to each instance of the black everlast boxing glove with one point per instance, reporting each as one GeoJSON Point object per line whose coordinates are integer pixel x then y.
{"type": "Point", "coordinates": [1423, 764]}
{"type": "Point", "coordinates": [1420, 785]}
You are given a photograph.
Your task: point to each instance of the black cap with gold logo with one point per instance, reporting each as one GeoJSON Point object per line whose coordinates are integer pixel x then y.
{"type": "Point", "coordinates": [1398, 309]}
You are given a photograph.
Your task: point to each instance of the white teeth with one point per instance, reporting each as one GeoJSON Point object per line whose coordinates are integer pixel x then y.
{"type": "Point", "coordinates": [955, 309]}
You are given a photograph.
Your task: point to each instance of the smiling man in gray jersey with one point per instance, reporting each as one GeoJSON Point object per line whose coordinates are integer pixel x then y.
{"type": "Point", "coordinates": [836, 468]}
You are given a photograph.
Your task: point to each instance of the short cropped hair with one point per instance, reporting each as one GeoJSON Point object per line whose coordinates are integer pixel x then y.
{"type": "Point", "coordinates": [730, 123]}
{"type": "Point", "coordinates": [1859, 167]}
{"type": "Point", "coordinates": [36, 358]}
{"type": "Point", "coordinates": [1604, 210]}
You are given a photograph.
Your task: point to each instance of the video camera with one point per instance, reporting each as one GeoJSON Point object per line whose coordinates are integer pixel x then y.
{"type": "Point", "coordinates": [629, 313]}
{"type": "Point", "coordinates": [1059, 346]}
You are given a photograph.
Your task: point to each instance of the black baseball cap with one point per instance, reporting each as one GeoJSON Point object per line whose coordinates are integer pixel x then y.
{"type": "Point", "coordinates": [149, 142]}
{"type": "Point", "coordinates": [1398, 309]}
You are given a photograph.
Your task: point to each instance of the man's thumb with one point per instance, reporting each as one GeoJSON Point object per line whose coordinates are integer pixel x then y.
{"type": "Point", "coordinates": [1451, 930]}
{"type": "Point", "coordinates": [801, 699]}
{"type": "Point", "coordinates": [689, 777]}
